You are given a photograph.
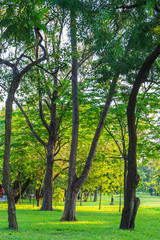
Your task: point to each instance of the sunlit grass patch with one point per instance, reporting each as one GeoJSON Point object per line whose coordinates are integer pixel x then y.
{"type": "Point", "coordinates": [92, 224]}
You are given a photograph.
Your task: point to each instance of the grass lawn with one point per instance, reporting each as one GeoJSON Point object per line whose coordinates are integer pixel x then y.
{"type": "Point", "coordinates": [93, 224]}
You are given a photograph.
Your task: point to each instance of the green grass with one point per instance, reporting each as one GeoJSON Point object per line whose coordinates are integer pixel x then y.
{"type": "Point", "coordinates": [93, 224]}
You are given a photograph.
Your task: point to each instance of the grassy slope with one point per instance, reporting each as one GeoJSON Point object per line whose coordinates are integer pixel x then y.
{"type": "Point", "coordinates": [93, 224]}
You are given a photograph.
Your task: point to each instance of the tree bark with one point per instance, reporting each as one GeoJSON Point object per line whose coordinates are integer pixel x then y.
{"type": "Point", "coordinates": [48, 182]}
{"type": "Point", "coordinates": [6, 164]}
{"type": "Point", "coordinates": [131, 203]}
{"type": "Point", "coordinates": [70, 206]}
{"type": "Point", "coordinates": [71, 194]}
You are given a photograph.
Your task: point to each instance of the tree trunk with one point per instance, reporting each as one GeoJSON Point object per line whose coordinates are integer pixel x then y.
{"type": "Point", "coordinates": [12, 211]}
{"type": "Point", "coordinates": [120, 200]}
{"type": "Point", "coordinates": [81, 198]}
{"type": "Point", "coordinates": [70, 206]}
{"type": "Point", "coordinates": [131, 203]}
{"type": "Point", "coordinates": [74, 183]}
{"type": "Point", "coordinates": [6, 165]}
{"type": "Point", "coordinates": [112, 200]}
{"type": "Point", "coordinates": [39, 199]}
{"type": "Point", "coordinates": [86, 196]}
{"type": "Point", "coordinates": [100, 201]}
{"type": "Point", "coordinates": [26, 184]}
{"type": "Point", "coordinates": [39, 196]}
{"type": "Point", "coordinates": [71, 194]}
{"type": "Point", "coordinates": [95, 195]}
{"type": "Point", "coordinates": [48, 182]}
{"type": "Point", "coordinates": [17, 76]}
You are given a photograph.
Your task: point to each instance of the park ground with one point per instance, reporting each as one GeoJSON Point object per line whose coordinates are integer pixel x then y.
{"type": "Point", "coordinates": [92, 223]}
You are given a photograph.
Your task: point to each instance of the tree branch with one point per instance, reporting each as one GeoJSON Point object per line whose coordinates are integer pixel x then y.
{"type": "Point", "coordinates": [41, 110]}
{"type": "Point", "coordinates": [110, 133]}
{"type": "Point", "coordinates": [29, 124]}
{"type": "Point", "coordinates": [7, 63]}
{"type": "Point", "coordinates": [37, 61]}
{"type": "Point", "coordinates": [60, 118]}
{"type": "Point", "coordinates": [91, 154]}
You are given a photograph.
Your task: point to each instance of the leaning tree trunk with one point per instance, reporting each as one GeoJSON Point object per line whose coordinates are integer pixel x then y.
{"type": "Point", "coordinates": [131, 202]}
{"type": "Point", "coordinates": [6, 165]}
{"type": "Point", "coordinates": [74, 183]}
{"type": "Point", "coordinates": [24, 187]}
{"type": "Point", "coordinates": [48, 182]}
{"type": "Point", "coordinates": [17, 76]}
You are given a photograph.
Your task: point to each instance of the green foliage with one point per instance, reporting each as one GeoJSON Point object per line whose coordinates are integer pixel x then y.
{"type": "Point", "coordinates": [58, 195]}
{"type": "Point", "coordinates": [107, 170]}
{"type": "Point", "coordinates": [27, 155]}
{"type": "Point", "coordinates": [19, 19]}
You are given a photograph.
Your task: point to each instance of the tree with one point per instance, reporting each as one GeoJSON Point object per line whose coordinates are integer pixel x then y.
{"type": "Point", "coordinates": [131, 203]}
{"type": "Point", "coordinates": [16, 78]}
{"type": "Point", "coordinates": [74, 182]}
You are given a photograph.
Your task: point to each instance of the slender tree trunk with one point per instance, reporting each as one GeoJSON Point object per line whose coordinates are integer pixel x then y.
{"type": "Point", "coordinates": [6, 165]}
{"type": "Point", "coordinates": [131, 202]}
{"type": "Point", "coordinates": [81, 197]}
{"type": "Point", "coordinates": [95, 195]}
{"type": "Point", "coordinates": [74, 183]}
{"type": "Point", "coordinates": [71, 194]}
{"type": "Point", "coordinates": [39, 196]}
{"type": "Point", "coordinates": [48, 182]}
{"type": "Point", "coordinates": [26, 184]}
{"type": "Point", "coordinates": [39, 199]}
{"type": "Point", "coordinates": [112, 200]}
{"type": "Point", "coordinates": [120, 200]}
{"type": "Point", "coordinates": [100, 200]}
{"type": "Point", "coordinates": [86, 196]}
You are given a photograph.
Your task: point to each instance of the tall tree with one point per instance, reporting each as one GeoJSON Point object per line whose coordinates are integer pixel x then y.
{"type": "Point", "coordinates": [131, 202]}
{"type": "Point", "coordinates": [74, 182]}
{"type": "Point", "coordinates": [17, 76]}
